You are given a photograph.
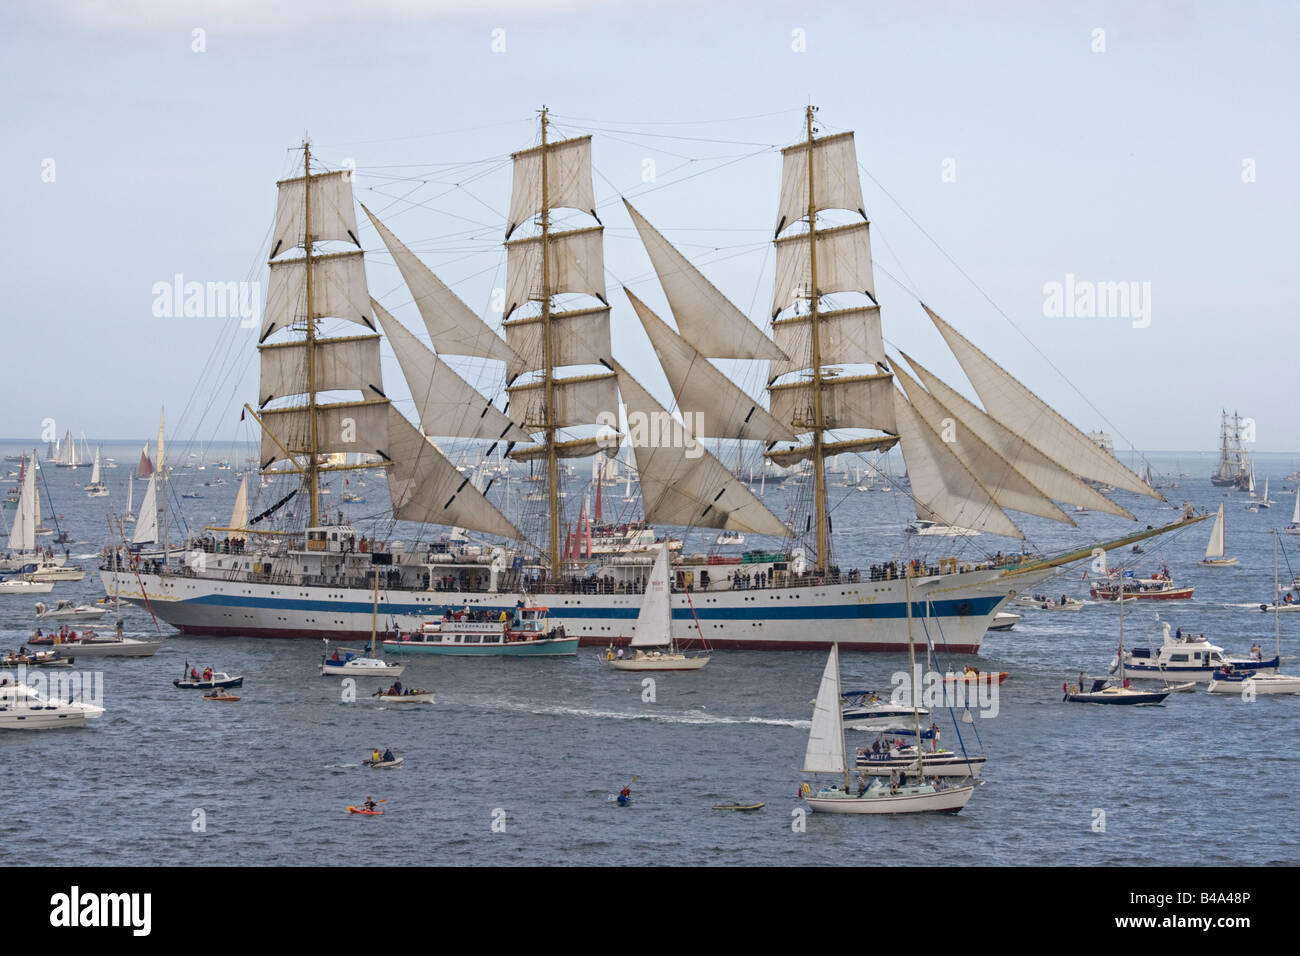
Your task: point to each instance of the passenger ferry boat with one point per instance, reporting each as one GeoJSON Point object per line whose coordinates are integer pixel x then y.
{"type": "Point", "coordinates": [526, 632]}
{"type": "Point", "coordinates": [1159, 587]}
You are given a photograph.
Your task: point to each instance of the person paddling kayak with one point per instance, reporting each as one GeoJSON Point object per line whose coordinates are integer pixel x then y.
{"type": "Point", "coordinates": [369, 804]}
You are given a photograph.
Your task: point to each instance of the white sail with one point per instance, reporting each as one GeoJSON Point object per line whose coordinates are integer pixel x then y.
{"type": "Point", "coordinates": [578, 337]}
{"type": "Point", "coordinates": [825, 751]}
{"type": "Point", "coordinates": [130, 495]}
{"type": "Point", "coordinates": [845, 336]}
{"type": "Point", "coordinates": [576, 264]}
{"type": "Point", "coordinates": [424, 486]}
{"type": "Point", "coordinates": [332, 212]}
{"type": "Point", "coordinates": [857, 401]}
{"type": "Point", "coordinates": [338, 289]}
{"type": "Point", "coordinates": [22, 535]}
{"type": "Point", "coordinates": [146, 527]}
{"type": "Point", "coordinates": [835, 176]}
{"type": "Point", "coordinates": [1295, 513]}
{"type": "Point", "coordinates": [1007, 486]}
{"type": "Point", "coordinates": [341, 364]}
{"type": "Point", "coordinates": [578, 401]}
{"type": "Point", "coordinates": [943, 489]}
{"type": "Point", "coordinates": [681, 483]}
{"type": "Point", "coordinates": [1052, 478]}
{"type": "Point", "coordinates": [446, 403]}
{"type": "Point", "coordinates": [341, 427]}
{"type": "Point", "coordinates": [1016, 407]}
{"type": "Point", "coordinates": [654, 622]}
{"type": "Point", "coordinates": [705, 317]}
{"type": "Point", "coordinates": [843, 265]}
{"type": "Point", "coordinates": [721, 409]}
{"type": "Point", "coordinates": [453, 327]}
{"type": "Point", "coordinates": [568, 180]}
{"type": "Point", "coordinates": [68, 454]}
{"type": "Point", "coordinates": [239, 514]}
{"type": "Point", "coordinates": [1215, 548]}
{"type": "Point", "coordinates": [94, 471]}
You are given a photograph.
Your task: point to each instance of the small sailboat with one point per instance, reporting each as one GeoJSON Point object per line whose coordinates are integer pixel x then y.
{"type": "Point", "coordinates": [825, 753]}
{"type": "Point", "coordinates": [353, 664]}
{"type": "Point", "coordinates": [1265, 502]}
{"type": "Point", "coordinates": [1294, 526]}
{"type": "Point", "coordinates": [130, 498]}
{"type": "Point", "coordinates": [1104, 691]}
{"type": "Point", "coordinates": [1237, 679]}
{"type": "Point", "coordinates": [96, 488]}
{"type": "Point", "coordinates": [654, 629]}
{"type": "Point", "coordinates": [1214, 550]}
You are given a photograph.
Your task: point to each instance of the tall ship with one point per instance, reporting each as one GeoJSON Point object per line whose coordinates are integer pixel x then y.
{"type": "Point", "coordinates": [283, 568]}
{"type": "Point", "coordinates": [1234, 469]}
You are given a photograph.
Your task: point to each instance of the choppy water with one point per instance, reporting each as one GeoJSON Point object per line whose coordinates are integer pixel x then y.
{"type": "Point", "coordinates": [548, 742]}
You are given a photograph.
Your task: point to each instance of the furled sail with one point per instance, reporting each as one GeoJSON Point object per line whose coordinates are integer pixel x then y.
{"type": "Point", "coordinates": [581, 400]}
{"type": "Point", "coordinates": [1007, 486]}
{"type": "Point", "coordinates": [447, 404]}
{"type": "Point", "coordinates": [341, 364]}
{"type": "Point", "coordinates": [568, 180]}
{"type": "Point", "coordinates": [578, 337]}
{"type": "Point", "coordinates": [341, 427]}
{"type": "Point", "coordinates": [332, 214]}
{"type": "Point", "coordinates": [453, 327]}
{"type": "Point", "coordinates": [577, 264]}
{"type": "Point", "coordinates": [835, 174]}
{"type": "Point", "coordinates": [681, 483]}
{"type": "Point", "coordinates": [785, 457]}
{"type": "Point", "coordinates": [146, 527]}
{"type": "Point", "coordinates": [848, 336]}
{"type": "Point", "coordinates": [856, 401]}
{"type": "Point", "coordinates": [1050, 477]}
{"type": "Point", "coordinates": [1016, 407]}
{"type": "Point", "coordinates": [426, 487]}
{"type": "Point", "coordinates": [705, 317]}
{"type": "Point", "coordinates": [338, 289]}
{"type": "Point", "coordinates": [943, 489]}
{"type": "Point", "coordinates": [843, 265]}
{"type": "Point", "coordinates": [720, 408]}
{"type": "Point", "coordinates": [825, 751]}
{"type": "Point", "coordinates": [574, 448]}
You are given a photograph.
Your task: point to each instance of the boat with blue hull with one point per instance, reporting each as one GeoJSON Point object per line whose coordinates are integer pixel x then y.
{"type": "Point", "coordinates": [526, 632]}
{"type": "Point", "coordinates": [1185, 657]}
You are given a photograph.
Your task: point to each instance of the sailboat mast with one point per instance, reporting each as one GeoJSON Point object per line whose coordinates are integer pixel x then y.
{"type": "Point", "coordinates": [1277, 624]}
{"type": "Point", "coordinates": [552, 475]}
{"type": "Point", "coordinates": [819, 463]}
{"type": "Point", "coordinates": [313, 489]}
{"type": "Point", "coordinates": [916, 689]}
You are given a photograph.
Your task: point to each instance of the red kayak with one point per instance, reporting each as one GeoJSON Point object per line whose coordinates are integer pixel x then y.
{"type": "Point", "coordinates": [364, 812]}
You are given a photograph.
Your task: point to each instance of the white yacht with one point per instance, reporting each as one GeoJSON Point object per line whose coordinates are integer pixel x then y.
{"type": "Point", "coordinates": [1186, 658]}
{"type": "Point", "coordinates": [24, 708]}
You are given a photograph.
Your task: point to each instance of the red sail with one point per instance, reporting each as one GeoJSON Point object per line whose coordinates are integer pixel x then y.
{"type": "Point", "coordinates": [145, 468]}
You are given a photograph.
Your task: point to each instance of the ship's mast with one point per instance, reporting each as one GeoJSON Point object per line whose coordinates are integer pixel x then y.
{"type": "Point", "coordinates": [819, 463]}
{"type": "Point", "coordinates": [552, 471]}
{"type": "Point", "coordinates": [313, 489]}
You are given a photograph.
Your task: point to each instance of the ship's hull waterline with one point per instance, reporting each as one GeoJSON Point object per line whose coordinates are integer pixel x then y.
{"type": "Point", "coordinates": [954, 611]}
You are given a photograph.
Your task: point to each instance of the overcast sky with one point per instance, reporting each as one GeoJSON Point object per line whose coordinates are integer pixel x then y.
{"type": "Point", "coordinates": [1006, 146]}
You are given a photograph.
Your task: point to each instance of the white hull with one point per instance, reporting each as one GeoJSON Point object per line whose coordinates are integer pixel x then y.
{"type": "Point", "coordinates": [863, 615]}
{"type": "Point", "coordinates": [362, 668]}
{"type": "Point", "coordinates": [1260, 684]}
{"type": "Point", "coordinates": [26, 587]}
{"type": "Point", "coordinates": [940, 801]}
{"type": "Point", "coordinates": [127, 647]}
{"type": "Point", "coordinates": [659, 662]}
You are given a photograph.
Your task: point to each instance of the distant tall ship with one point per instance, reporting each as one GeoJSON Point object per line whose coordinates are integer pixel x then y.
{"type": "Point", "coordinates": [269, 576]}
{"type": "Point", "coordinates": [1234, 469]}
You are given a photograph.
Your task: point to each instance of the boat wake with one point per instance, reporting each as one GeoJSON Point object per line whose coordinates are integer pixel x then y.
{"type": "Point", "coordinates": [685, 717]}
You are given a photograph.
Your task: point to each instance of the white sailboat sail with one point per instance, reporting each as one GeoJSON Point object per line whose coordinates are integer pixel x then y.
{"type": "Point", "coordinates": [720, 407]}
{"type": "Point", "coordinates": [1215, 547]}
{"type": "Point", "coordinates": [681, 483]}
{"type": "Point", "coordinates": [825, 751]}
{"type": "Point", "coordinates": [146, 527]}
{"type": "Point", "coordinates": [1055, 481]}
{"type": "Point", "coordinates": [1295, 513]}
{"type": "Point", "coordinates": [94, 472]}
{"type": "Point", "coordinates": [1015, 406]}
{"type": "Point", "coordinates": [426, 487]}
{"type": "Point", "coordinates": [654, 621]}
{"type": "Point", "coordinates": [706, 318]}
{"type": "Point", "coordinates": [239, 514]}
{"type": "Point", "coordinates": [22, 535]}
